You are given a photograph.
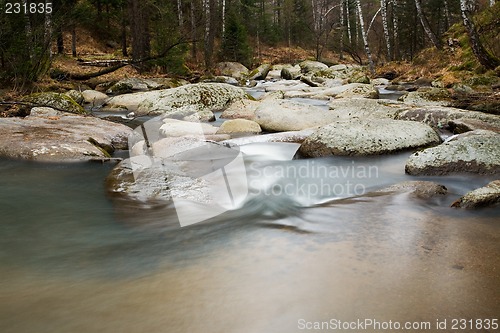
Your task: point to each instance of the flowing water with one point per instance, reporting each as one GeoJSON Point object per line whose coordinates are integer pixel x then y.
{"type": "Point", "coordinates": [71, 260]}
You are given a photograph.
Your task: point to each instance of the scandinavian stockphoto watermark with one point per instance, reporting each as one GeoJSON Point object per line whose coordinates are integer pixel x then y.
{"type": "Point", "coordinates": [206, 178]}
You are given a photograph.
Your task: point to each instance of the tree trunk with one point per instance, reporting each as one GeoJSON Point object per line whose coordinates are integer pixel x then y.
{"type": "Point", "coordinates": [383, 6]}
{"type": "Point", "coordinates": [349, 34]}
{"type": "Point", "coordinates": [223, 17]}
{"type": "Point", "coordinates": [29, 32]}
{"type": "Point", "coordinates": [48, 33]}
{"type": "Point", "coordinates": [139, 31]}
{"type": "Point", "coordinates": [193, 32]}
{"type": "Point", "coordinates": [73, 40]}
{"type": "Point", "coordinates": [482, 55]}
{"type": "Point", "coordinates": [364, 36]}
{"type": "Point", "coordinates": [208, 42]}
{"type": "Point", "coordinates": [60, 41]}
{"type": "Point", "coordinates": [342, 30]}
{"type": "Point", "coordinates": [179, 13]}
{"type": "Point", "coordinates": [124, 32]}
{"type": "Point", "coordinates": [395, 27]}
{"type": "Point", "coordinates": [425, 24]}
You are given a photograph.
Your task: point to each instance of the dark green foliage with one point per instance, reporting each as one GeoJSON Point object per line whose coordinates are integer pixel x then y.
{"type": "Point", "coordinates": [235, 42]}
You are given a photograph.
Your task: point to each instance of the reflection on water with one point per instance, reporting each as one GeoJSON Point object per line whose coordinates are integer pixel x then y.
{"type": "Point", "coordinates": [72, 261]}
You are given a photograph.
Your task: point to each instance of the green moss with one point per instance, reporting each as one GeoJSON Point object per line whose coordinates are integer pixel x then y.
{"type": "Point", "coordinates": [56, 101]}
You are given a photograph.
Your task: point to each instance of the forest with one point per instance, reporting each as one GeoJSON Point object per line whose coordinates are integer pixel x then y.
{"type": "Point", "coordinates": [179, 36]}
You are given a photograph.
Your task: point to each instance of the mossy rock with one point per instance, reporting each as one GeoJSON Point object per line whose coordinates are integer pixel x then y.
{"type": "Point", "coordinates": [57, 101]}
{"type": "Point", "coordinates": [76, 96]}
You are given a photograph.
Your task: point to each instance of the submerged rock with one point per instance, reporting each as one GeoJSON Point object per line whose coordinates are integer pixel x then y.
{"type": "Point", "coordinates": [486, 196]}
{"type": "Point", "coordinates": [474, 152]}
{"type": "Point", "coordinates": [60, 137]}
{"type": "Point", "coordinates": [419, 189]}
{"type": "Point", "coordinates": [368, 137]}
{"type": "Point", "coordinates": [278, 115]}
{"type": "Point", "coordinates": [178, 102]}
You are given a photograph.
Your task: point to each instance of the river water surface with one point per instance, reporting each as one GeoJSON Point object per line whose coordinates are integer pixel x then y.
{"type": "Point", "coordinates": [71, 260]}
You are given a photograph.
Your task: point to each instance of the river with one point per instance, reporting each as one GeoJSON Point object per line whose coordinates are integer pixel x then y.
{"type": "Point", "coordinates": [72, 260]}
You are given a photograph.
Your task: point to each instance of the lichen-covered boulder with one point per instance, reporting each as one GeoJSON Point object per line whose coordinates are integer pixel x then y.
{"type": "Point", "coordinates": [54, 100]}
{"type": "Point", "coordinates": [178, 102]}
{"type": "Point", "coordinates": [233, 69]}
{"type": "Point", "coordinates": [94, 97]}
{"type": "Point", "coordinates": [278, 115]}
{"type": "Point", "coordinates": [473, 152]}
{"type": "Point", "coordinates": [438, 116]}
{"type": "Point", "coordinates": [428, 96]}
{"type": "Point", "coordinates": [487, 196]}
{"type": "Point", "coordinates": [76, 96]}
{"type": "Point", "coordinates": [260, 72]}
{"type": "Point", "coordinates": [290, 72]}
{"type": "Point", "coordinates": [368, 137]}
{"type": "Point", "coordinates": [239, 126]}
{"type": "Point", "coordinates": [359, 90]}
{"type": "Point", "coordinates": [310, 66]}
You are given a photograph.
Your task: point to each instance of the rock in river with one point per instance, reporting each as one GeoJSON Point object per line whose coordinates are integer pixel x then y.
{"type": "Point", "coordinates": [486, 196]}
{"type": "Point", "coordinates": [278, 115]}
{"type": "Point", "coordinates": [475, 152]}
{"type": "Point", "coordinates": [368, 137]}
{"type": "Point", "coordinates": [60, 138]}
{"type": "Point", "coordinates": [178, 102]}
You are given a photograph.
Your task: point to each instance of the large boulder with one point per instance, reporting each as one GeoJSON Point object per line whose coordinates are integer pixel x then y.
{"type": "Point", "coordinates": [234, 126]}
{"type": "Point", "coordinates": [75, 95]}
{"type": "Point", "coordinates": [368, 137]}
{"type": "Point", "coordinates": [94, 97]}
{"type": "Point", "coordinates": [359, 90]}
{"type": "Point", "coordinates": [364, 108]}
{"type": "Point", "coordinates": [428, 96]}
{"type": "Point", "coordinates": [441, 116]}
{"type": "Point", "coordinates": [290, 72]}
{"type": "Point", "coordinates": [473, 152]}
{"type": "Point", "coordinates": [486, 196]}
{"type": "Point", "coordinates": [241, 109]}
{"type": "Point", "coordinates": [466, 125]}
{"type": "Point", "coordinates": [260, 72]}
{"type": "Point", "coordinates": [178, 102]}
{"type": "Point", "coordinates": [310, 66]}
{"type": "Point", "coordinates": [54, 100]}
{"type": "Point", "coordinates": [233, 69]}
{"type": "Point", "coordinates": [179, 128]}
{"type": "Point", "coordinates": [278, 115]}
{"type": "Point", "coordinates": [54, 136]}
{"type": "Point", "coordinates": [134, 84]}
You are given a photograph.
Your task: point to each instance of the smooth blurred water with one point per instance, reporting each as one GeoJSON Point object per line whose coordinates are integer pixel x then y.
{"type": "Point", "coordinates": [72, 260]}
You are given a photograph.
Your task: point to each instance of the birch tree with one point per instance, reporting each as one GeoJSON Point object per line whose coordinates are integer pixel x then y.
{"type": "Point", "coordinates": [383, 7]}
{"type": "Point", "coordinates": [425, 24]}
{"type": "Point", "coordinates": [482, 55]}
{"type": "Point", "coordinates": [364, 36]}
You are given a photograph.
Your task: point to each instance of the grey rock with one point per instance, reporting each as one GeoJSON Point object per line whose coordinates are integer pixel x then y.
{"type": "Point", "coordinates": [428, 96]}
{"type": "Point", "coordinates": [76, 96]}
{"type": "Point", "coordinates": [309, 66]}
{"type": "Point", "coordinates": [368, 137]}
{"type": "Point", "coordinates": [178, 102]}
{"type": "Point", "coordinates": [285, 115]}
{"type": "Point", "coordinates": [61, 138]}
{"type": "Point", "coordinates": [487, 196]}
{"type": "Point", "coordinates": [290, 72]}
{"type": "Point", "coordinates": [233, 69]}
{"type": "Point", "coordinates": [54, 100]}
{"type": "Point", "coordinates": [94, 97]}
{"type": "Point", "coordinates": [419, 189]}
{"type": "Point", "coordinates": [472, 152]}
{"type": "Point", "coordinates": [260, 73]}
{"type": "Point", "coordinates": [239, 126]}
